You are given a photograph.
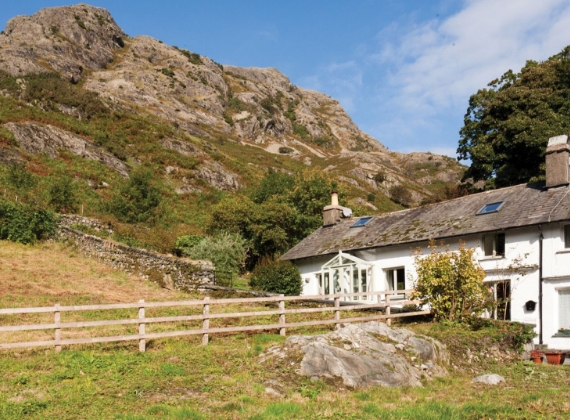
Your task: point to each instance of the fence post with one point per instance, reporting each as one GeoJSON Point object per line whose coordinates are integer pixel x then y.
{"type": "Point", "coordinates": [388, 310]}
{"type": "Point", "coordinates": [57, 321]}
{"type": "Point", "coordinates": [142, 327]}
{"type": "Point", "coordinates": [337, 310]}
{"type": "Point", "coordinates": [282, 330]}
{"type": "Point", "coordinates": [206, 321]}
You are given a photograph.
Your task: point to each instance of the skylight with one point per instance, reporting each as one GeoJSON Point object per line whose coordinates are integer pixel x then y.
{"type": "Point", "coordinates": [491, 207]}
{"type": "Point", "coordinates": [362, 221]}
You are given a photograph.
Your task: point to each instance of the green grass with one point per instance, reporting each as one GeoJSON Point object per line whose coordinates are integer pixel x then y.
{"type": "Point", "coordinates": [180, 378]}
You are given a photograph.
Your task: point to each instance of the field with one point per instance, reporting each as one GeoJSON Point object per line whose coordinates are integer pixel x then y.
{"type": "Point", "coordinates": [180, 379]}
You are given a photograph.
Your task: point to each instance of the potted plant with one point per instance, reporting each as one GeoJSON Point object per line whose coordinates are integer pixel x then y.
{"type": "Point", "coordinates": [555, 357]}
{"type": "Point", "coordinates": [536, 356]}
{"type": "Point", "coordinates": [563, 332]}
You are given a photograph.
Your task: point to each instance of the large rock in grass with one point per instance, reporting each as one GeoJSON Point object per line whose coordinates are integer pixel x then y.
{"type": "Point", "coordinates": [369, 354]}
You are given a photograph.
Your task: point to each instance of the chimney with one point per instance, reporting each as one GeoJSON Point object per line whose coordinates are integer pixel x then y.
{"type": "Point", "coordinates": [557, 161]}
{"type": "Point", "coordinates": [333, 213]}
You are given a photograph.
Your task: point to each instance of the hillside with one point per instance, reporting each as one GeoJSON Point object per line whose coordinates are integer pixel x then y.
{"type": "Point", "coordinates": [81, 98]}
{"type": "Point", "coordinates": [180, 378]}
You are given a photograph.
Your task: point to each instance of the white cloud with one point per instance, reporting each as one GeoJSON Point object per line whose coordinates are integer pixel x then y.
{"type": "Point", "coordinates": [441, 63]}
{"type": "Point", "coordinates": [410, 86]}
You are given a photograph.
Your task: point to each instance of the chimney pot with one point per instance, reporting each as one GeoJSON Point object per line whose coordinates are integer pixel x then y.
{"type": "Point", "coordinates": [334, 198]}
{"type": "Point", "coordinates": [557, 161]}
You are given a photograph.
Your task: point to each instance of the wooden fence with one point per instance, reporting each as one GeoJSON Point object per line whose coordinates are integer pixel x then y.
{"type": "Point", "coordinates": [336, 308]}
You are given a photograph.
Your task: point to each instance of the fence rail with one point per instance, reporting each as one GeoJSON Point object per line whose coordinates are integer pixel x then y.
{"type": "Point", "coordinates": [385, 304]}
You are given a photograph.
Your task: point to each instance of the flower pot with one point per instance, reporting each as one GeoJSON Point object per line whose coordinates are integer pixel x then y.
{"type": "Point", "coordinates": [555, 357]}
{"type": "Point", "coordinates": [536, 359]}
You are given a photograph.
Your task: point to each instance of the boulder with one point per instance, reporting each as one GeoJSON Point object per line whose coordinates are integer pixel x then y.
{"type": "Point", "coordinates": [369, 354]}
{"type": "Point", "coordinates": [489, 379]}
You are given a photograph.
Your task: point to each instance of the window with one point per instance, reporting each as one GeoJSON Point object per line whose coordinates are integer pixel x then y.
{"type": "Point", "coordinates": [567, 236]}
{"type": "Point", "coordinates": [494, 244]}
{"type": "Point", "coordinates": [396, 281]}
{"type": "Point", "coordinates": [345, 273]}
{"type": "Point", "coordinates": [564, 309]}
{"type": "Point", "coordinates": [362, 221]}
{"type": "Point", "coordinates": [502, 296]}
{"type": "Point", "coordinates": [491, 207]}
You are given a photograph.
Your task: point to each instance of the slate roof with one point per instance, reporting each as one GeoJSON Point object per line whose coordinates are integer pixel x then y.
{"type": "Point", "coordinates": [525, 205]}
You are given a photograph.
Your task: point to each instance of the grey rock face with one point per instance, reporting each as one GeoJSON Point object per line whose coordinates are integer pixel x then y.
{"type": "Point", "coordinates": [68, 40]}
{"type": "Point", "coordinates": [36, 138]}
{"type": "Point", "coordinates": [199, 97]}
{"type": "Point", "coordinates": [367, 355]}
{"type": "Point", "coordinates": [215, 174]}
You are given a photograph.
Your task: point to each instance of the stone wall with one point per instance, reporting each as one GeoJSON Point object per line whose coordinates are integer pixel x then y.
{"type": "Point", "coordinates": [169, 272]}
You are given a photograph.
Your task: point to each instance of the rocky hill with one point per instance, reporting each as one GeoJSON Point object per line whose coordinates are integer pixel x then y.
{"type": "Point", "coordinates": [232, 123]}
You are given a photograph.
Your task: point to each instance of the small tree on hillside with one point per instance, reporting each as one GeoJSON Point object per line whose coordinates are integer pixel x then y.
{"type": "Point", "coordinates": [451, 283]}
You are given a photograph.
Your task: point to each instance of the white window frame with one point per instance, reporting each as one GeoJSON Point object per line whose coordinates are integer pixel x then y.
{"type": "Point", "coordinates": [493, 286]}
{"type": "Point", "coordinates": [346, 273]}
{"type": "Point", "coordinates": [490, 242]}
{"type": "Point", "coordinates": [563, 323]}
{"type": "Point", "coordinates": [392, 280]}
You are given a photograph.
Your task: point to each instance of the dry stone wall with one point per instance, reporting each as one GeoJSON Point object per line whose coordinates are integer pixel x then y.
{"type": "Point", "coordinates": [169, 272]}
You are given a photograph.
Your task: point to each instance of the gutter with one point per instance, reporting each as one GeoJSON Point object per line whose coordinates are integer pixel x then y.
{"type": "Point", "coordinates": [540, 280]}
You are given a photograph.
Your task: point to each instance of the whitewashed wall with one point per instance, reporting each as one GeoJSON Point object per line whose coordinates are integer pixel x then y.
{"type": "Point", "coordinates": [519, 265]}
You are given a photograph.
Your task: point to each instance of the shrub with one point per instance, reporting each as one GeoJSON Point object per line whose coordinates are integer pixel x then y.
{"type": "Point", "coordinates": [226, 251]}
{"type": "Point", "coordinates": [285, 150]}
{"type": "Point", "coordinates": [380, 177]}
{"type": "Point", "coordinates": [137, 200]}
{"type": "Point", "coordinates": [22, 223]}
{"type": "Point", "coordinates": [277, 277]}
{"type": "Point", "coordinates": [301, 131]}
{"type": "Point", "coordinates": [19, 178]}
{"type": "Point", "coordinates": [185, 243]}
{"type": "Point", "coordinates": [451, 283]}
{"type": "Point", "coordinates": [400, 195]}
{"type": "Point", "coordinates": [63, 194]}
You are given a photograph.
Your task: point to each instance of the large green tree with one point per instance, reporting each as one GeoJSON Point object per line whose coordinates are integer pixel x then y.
{"type": "Point", "coordinates": [280, 212]}
{"type": "Point", "coordinates": [507, 125]}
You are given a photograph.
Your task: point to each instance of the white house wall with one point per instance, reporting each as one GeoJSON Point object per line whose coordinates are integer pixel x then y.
{"type": "Point", "coordinates": [519, 265]}
{"type": "Point", "coordinates": [556, 275]}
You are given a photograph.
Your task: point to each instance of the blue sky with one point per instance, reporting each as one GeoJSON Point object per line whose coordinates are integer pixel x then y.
{"type": "Point", "coordinates": [403, 69]}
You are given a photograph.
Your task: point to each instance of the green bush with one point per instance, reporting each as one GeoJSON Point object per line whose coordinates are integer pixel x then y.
{"type": "Point", "coordinates": [137, 200]}
{"type": "Point", "coordinates": [63, 194]}
{"type": "Point", "coordinates": [24, 224]}
{"type": "Point", "coordinates": [277, 277]}
{"type": "Point", "coordinates": [185, 243]}
{"type": "Point", "coordinates": [226, 251]}
{"type": "Point", "coordinates": [451, 283]}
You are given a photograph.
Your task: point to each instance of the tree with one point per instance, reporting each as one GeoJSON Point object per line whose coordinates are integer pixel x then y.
{"type": "Point", "coordinates": [507, 126]}
{"type": "Point", "coordinates": [451, 283]}
{"type": "Point", "coordinates": [280, 212]}
{"type": "Point", "coordinates": [62, 194]}
{"type": "Point", "coordinates": [137, 199]}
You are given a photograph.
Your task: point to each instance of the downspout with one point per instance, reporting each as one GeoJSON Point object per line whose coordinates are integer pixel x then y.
{"type": "Point", "coordinates": [540, 238]}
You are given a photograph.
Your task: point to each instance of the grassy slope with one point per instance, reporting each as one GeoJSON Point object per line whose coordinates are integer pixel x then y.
{"type": "Point", "coordinates": [178, 378]}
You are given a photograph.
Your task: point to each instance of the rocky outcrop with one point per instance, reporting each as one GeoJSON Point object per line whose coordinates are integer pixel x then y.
{"type": "Point", "coordinates": [199, 97]}
{"type": "Point", "coordinates": [67, 40]}
{"type": "Point", "coordinates": [363, 355]}
{"type": "Point", "coordinates": [217, 176]}
{"type": "Point", "coordinates": [37, 138]}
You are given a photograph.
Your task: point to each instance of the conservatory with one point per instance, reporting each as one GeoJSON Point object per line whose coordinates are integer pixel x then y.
{"type": "Point", "coordinates": [345, 273]}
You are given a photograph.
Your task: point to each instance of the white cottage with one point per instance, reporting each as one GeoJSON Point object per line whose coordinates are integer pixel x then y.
{"type": "Point", "coordinates": [521, 235]}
